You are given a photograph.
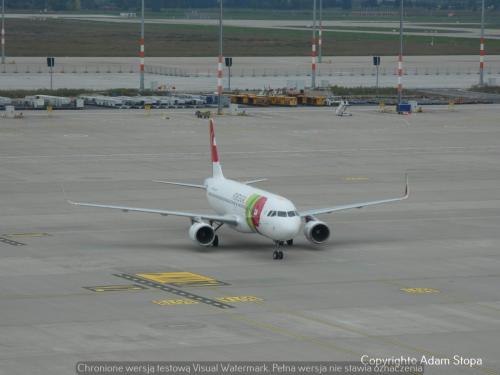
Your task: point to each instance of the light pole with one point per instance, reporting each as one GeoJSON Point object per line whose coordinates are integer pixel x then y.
{"type": "Point", "coordinates": [141, 51]}
{"type": "Point", "coordinates": [219, 65]}
{"type": "Point", "coordinates": [3, 32]}
{"type": "Point", "coordinates": [400, 60]}
{"type": "Point", "coordinates": [313, 47]}
{"type": "Point", "coordinates": [481, 48]}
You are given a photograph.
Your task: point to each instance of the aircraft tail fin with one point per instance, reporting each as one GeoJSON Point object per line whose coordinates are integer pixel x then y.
{"type": "Point", "coordinates": [216, 167]}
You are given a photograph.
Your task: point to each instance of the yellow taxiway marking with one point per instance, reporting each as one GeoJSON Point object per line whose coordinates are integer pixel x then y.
{"type": "Point", "coordinates": [187, 301]}
{"type": "Point", "coordinates": [355, 178]}
{"type": "Point", "coordinates": [115, 288]}
{"type": "Point", "coordinates": [419, 290]}
{"type": "Point", "coordinates": [172, 302]}
{"type": "Point", "coordinates": [180, 278]}
{"type": "Point", "coordinates": [240, 299]}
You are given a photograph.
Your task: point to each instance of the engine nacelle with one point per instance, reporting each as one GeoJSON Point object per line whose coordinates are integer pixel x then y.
{"type": "Point", "coordinates": [316, 231]}
{"type": "Point", "coordinates": [202, 233]}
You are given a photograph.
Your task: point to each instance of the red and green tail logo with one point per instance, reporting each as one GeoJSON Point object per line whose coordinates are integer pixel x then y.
{"type": "Point", "coordinates": [253, 207]}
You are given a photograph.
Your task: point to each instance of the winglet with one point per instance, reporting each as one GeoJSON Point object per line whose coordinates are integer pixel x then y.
{"type": "Point", "coordinates": [407, 188]}
{"type": "Point", "coordinates": [66, 196]}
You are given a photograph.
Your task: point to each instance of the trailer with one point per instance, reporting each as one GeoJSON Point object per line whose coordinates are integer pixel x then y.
{"type": "Point", "coordinates": [4, 101]}
{"type": "Point", "coordinates": [102, 101]}
{"type": "Point", "coordinates": [54, 101]}
{"type": "Point", "coordinates": [33, 102]}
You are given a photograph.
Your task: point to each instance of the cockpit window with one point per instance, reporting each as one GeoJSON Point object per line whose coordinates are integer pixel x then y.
{"type": "Point", "coordinates": [271, 213]}
{"type": "Point", "coordinates": [282, 213]}
{"type": "Point", "coordinates": [291, 213]}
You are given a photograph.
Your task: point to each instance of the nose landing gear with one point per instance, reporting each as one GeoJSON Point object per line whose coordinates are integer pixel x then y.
{"type": "Point", "coordinates": [278, 253]}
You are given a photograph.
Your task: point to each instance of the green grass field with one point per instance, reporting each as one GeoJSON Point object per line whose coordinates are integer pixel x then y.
{"type": "Point", "coordinates": [87, 39]}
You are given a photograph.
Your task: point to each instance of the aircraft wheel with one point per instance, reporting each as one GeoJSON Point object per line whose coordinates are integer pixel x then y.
{"type": "Point", "coordinates": [276, 254]}
{"type": "Point", "coordinates": [280, 254]}
{"type": "Point", "coordinates": [216, 241]}
{"type": "Point", "coordinates": [289, 242]}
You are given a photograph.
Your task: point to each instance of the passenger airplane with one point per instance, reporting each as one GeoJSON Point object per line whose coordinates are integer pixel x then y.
{"type": "Point", "coordinates": [249, 210]}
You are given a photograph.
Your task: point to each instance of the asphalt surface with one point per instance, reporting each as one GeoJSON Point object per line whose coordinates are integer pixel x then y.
{"type": "Point", "coordinates": [420, 277]}
{"type": "Point", "coordinates": [194, 74]}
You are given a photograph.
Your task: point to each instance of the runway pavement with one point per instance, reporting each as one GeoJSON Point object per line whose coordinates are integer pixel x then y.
{"type": "Point", "coordinates": [420, 277]}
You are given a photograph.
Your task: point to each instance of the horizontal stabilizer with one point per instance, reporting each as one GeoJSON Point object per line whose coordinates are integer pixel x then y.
{"type": "Point", "coordinates": [250, 182]}
{"type": "Point", "coordinates": [181, 184]}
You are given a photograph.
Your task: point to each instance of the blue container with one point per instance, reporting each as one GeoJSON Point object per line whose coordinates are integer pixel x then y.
{"type": "Point", "coordinates": [403, 108]}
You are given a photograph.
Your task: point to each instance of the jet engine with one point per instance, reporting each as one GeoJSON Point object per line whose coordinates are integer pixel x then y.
{"type": "Point", "coordinates": [202, 233]}
{"type": "Point", "coordinates": [316, 231]}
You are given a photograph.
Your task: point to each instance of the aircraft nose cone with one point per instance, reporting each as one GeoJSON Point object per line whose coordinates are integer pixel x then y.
{"type": "Point", "coordinates": [290, 228]}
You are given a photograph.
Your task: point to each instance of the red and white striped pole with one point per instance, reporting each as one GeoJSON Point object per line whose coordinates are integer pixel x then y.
{"type": "Point", "coordinates": [141, 61]}
{"type": "Point", "coordinates": [313, 63]}
{"type": "Point", "coordinates": [219, 76]}
{"type": "Point", "coordinates": [141, 50]}
{"type": "Point", "coordinates": [320, 32]}
{"type": "Point", "coordinates": [219, 65]}
{"type": "Point", "coordinates": [400, 75]}
{"type": "Point", "coordinates": [313, 49]}
{"type": "Point", "coordinates": [3, 32]}
{"type": "Point", "coordinates": [481, 48]}
{"type": "Point", "coordinates": [482, 53]}
{"type": "Point", "coordinates": [320, 43]}
{"type": "Point", "coordinates": [400, 59]}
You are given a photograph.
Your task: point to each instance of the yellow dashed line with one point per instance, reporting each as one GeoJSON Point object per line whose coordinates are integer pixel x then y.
{"type": "Point", "coordinates": [419, 290]}
{"type": "Point", "coordinates": [26, 235]}
{"type": "Point", "coordinates": [355, 178]}
{"type": "Point", "coordinates": [114, 288]}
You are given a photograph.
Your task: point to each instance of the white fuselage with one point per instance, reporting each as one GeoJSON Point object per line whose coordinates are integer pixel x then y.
{"type": "Point", "coordinates": [257, 211]}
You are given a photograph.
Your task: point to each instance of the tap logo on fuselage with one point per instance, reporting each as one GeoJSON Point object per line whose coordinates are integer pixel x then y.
{"type": "Point", "coordinates": [253, 208]}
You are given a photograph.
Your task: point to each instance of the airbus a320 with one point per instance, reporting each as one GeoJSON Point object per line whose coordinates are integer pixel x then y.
{"type": "Point", "coordinates": [248, 209]}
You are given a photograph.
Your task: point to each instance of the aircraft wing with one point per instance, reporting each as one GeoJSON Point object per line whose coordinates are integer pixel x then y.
{"type": "Point", "coordinates": [218, 218]}
{"type": "Point", "coordinates": [328, 210]}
